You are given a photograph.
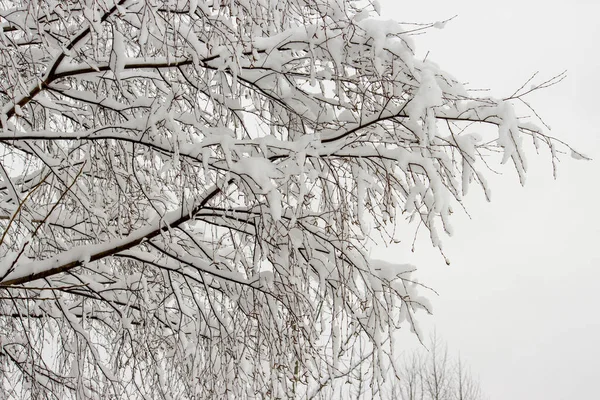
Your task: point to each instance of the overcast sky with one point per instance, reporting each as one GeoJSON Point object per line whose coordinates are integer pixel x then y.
{"type": "Point", "coordinates": [520, 299]}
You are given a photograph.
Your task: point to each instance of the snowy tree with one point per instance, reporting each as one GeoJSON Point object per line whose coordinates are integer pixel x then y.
{"type": "Point", "coordinates": [189, 190]}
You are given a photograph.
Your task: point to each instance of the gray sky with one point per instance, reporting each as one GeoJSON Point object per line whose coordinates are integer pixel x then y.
{"type": "Point", "coordinates": [520, 300]}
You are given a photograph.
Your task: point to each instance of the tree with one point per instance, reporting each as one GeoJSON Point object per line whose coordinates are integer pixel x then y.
{"type": "Point", "coordinates": [189, 189]}
{"type": "Point", "coordinates": [433, 376]}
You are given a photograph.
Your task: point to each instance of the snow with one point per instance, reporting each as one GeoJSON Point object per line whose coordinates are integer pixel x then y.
{"type": "Point", "coordinates": [428, 95]}
{"type": "Point", "coordinates": [376, 6]}
{"type": "Point", "coordinates": [209, 182]}
{"type": "Point", "coordinates": [118, 54]}
{"type": "Point", "coordinates": [579, 156]}
{"type": "Point", "coordinates": [439, 24]}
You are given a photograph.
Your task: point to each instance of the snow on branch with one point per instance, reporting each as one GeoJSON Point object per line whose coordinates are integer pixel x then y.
{"type": "Point", "coordinates": [188, 190]}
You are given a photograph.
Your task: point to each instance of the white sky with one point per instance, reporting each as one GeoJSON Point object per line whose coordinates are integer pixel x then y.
{"type": "Point", "coordinates": [520, 300]}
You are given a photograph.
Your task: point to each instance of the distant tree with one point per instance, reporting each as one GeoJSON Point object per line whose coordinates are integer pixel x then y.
{"type": "Point", "coordinates": [189, 188]}
{"type": "Point", "coordinates": [433, 375]}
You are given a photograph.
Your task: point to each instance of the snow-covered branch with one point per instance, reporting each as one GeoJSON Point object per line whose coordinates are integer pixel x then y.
{"type": "Point", "coordinates": [189, 189]}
